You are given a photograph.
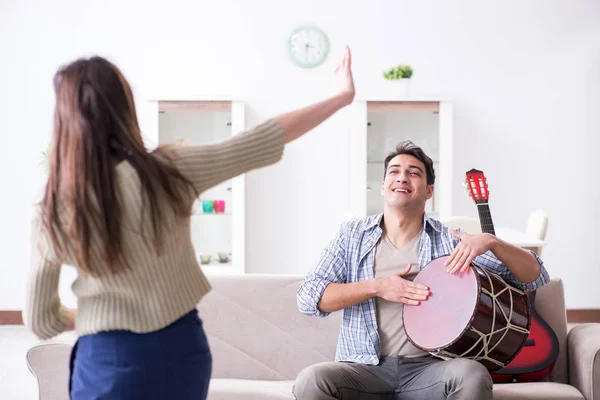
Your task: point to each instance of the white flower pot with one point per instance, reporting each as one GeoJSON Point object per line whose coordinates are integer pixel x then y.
{"type": "Point", "coordinates": [400, 87]}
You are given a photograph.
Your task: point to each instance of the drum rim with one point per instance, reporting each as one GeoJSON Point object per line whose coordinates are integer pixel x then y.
{"type": "Point", "coordinates": [478, 280]}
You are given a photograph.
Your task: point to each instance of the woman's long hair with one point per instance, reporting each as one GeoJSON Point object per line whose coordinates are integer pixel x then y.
{"type": "Point", "coordinates": [95, 127]}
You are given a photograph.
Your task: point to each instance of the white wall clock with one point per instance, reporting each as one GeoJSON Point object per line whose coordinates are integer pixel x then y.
{"type": "Point", "coordinates": [308, 46]}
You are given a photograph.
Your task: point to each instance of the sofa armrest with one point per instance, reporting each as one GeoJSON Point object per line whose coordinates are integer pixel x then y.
{"type": "Point", "coordinates": [583, 344]}
{"type": "Point", "coordinates": [49, 363]}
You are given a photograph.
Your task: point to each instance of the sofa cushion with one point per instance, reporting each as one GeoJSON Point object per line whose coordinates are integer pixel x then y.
{"type": "Point", "coordinates": [536, 390]}
{"type": "Point", "coordinates": [230, 389]}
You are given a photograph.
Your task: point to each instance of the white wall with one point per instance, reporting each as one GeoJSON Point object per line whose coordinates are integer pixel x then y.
{"type": "Point", "coordinates": [523, 77]}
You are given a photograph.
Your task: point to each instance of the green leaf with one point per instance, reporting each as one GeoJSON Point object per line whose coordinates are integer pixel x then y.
{"type": "Point", "coordinates": [398, 72]}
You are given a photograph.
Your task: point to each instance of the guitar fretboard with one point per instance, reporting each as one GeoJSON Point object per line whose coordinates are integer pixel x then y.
{"type": "Point", "coordinates": [485, 218]}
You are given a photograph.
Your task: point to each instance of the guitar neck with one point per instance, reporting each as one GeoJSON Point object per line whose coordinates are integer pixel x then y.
{"type": "Point", "coordinates": [485, 218]}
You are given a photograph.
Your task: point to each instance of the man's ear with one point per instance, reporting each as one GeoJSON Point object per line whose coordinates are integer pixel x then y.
{"type": "Point", "coordinates": [429, 191]}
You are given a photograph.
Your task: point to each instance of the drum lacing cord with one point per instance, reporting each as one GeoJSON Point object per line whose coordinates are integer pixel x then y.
{"type": "Point", "coordinates": [486, 338]}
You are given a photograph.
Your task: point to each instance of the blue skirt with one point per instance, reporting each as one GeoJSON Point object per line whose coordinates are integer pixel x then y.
{"type": "Point", "coordinates": [172, 363]}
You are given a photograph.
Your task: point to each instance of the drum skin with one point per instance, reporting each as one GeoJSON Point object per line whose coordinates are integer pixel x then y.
{"type": "Point", "coordinates": [473, 314]}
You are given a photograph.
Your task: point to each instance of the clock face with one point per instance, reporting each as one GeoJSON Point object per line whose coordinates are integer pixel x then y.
{"type": "Point", "coordinates": [308, 46]}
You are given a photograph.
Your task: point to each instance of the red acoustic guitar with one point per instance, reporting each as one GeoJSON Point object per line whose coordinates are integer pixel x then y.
{"type": "Point", "coordinates": [537, 357]}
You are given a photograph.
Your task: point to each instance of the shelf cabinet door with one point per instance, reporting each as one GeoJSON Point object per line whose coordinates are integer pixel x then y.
{"type": "Point", "coordinates": [377, 128]}
{"type": "Point", "coordinates": [217, 232]}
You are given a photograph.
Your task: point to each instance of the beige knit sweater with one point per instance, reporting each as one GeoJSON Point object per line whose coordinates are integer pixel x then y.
{"type": "Point", "coordinates": [155, 291]}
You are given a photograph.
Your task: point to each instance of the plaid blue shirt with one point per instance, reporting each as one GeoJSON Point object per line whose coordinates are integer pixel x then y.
{"type": "Point", "coordinates": [350, 258]}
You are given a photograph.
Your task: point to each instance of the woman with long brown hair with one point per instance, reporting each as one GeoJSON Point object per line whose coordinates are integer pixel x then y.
{"type": "Point", "coordinates": [121, 215]}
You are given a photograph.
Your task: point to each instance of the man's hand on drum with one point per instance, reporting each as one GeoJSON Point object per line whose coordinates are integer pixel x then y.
{"type": "Point", "coordinates": [397, 289]}
{"type": "Point", "coordinates": [469, 247]}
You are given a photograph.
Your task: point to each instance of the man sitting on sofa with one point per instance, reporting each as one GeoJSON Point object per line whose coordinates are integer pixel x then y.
{"type": "Point", "coordinates": [367, 270]}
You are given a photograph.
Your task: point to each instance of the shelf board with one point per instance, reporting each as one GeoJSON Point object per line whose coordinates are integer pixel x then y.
{"type": "Point", "coordinates": [403, 105]}
{"type": "Point", "coordinates": [214, 263]}
{"type": "Point", "coordinates": [381, 162]}
{"type": "Point", "coordinates": [437, 98]}
{"type": "Point", "coordinates": [203, 213]}
{"type": "Point", "coordinates": [186, 105]}
{"type": "Point", "coordinates": [218, 269]}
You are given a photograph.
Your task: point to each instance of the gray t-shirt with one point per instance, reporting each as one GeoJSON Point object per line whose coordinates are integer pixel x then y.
{"type": "Point", "coordinates": [390, 260]}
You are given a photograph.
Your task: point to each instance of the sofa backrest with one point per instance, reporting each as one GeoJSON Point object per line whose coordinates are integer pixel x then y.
{"type": "Point", "coordinates": [255, 330]}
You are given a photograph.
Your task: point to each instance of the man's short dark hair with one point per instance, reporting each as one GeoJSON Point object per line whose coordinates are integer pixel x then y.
{"type": "Point", "coordinates": [408, 147]}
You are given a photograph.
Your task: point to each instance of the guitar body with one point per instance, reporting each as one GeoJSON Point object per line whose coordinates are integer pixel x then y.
{"type": "Point", "coordinates": [537, 357]}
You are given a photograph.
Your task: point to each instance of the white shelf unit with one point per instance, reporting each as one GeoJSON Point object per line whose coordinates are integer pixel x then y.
{"type": "Point", "coordinates": [197, 122]}
{"type": "Point", "coordinates": [427, 122]}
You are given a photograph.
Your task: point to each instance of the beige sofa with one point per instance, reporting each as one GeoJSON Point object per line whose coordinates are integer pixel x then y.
{"type": "Point", "coordinates": [260, 342]}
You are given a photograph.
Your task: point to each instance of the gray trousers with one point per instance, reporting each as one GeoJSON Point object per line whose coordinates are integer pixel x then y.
{"type": "Point", "coordinates": [397, 378]}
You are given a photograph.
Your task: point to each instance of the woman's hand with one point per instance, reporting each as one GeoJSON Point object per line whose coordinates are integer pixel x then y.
{"type": "Point", "coordinates": [71, 315]}
{"type": "Point", "coordinates": [343, 77]}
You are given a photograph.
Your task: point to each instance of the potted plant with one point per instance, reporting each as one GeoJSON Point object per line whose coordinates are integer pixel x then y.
{"type": "Point", "coordinates": [400, 76]}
